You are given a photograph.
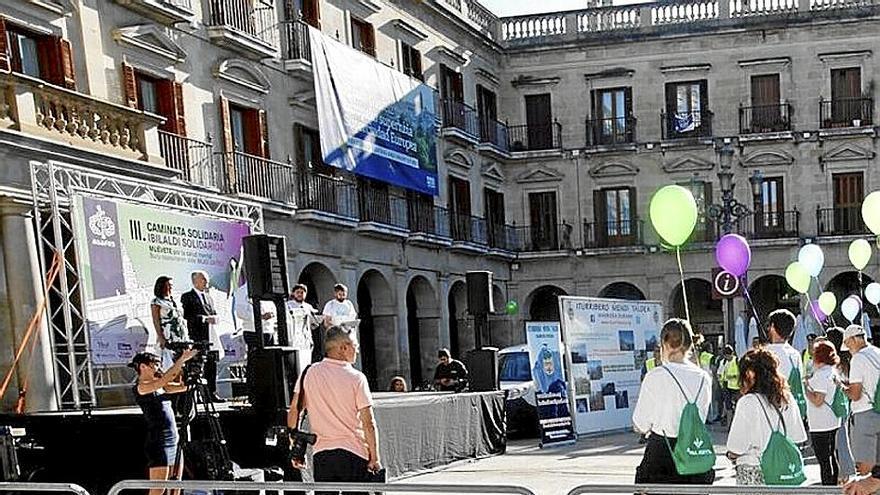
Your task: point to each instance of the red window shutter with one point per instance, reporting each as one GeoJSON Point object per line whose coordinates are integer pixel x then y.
{"type": "Point", "coordinates": [180, 116]}
{"type": "Point", "coordinates": [48, 53]}
{"type": "Point", "coordinates": [129, 86]}
{"type": "Point", "coordinates": [4, 49]}
{"type": "Point", "coordinates": [264, 133]}
{"type": "Point", "coordinates": [68, 72]}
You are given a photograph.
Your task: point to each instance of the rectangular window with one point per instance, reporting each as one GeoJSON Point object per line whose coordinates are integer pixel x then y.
{"type": "Point", "coordinates": [539, 122]}
{"type": "Point", "coordinates": [543, 219]}
{"type": "Point", "coordinates": [849, 191]}
{"type": "Point", "coordinates": [148, 94]}
{"type": "Point", "coordinates": [451, 84]}
{"type": "Point", "coordinates": [614, 212]}
{"type": "Point", "coordinates": [612, 109]}
{"type": "Point", "coordinates": [460, 208]}
{"type": "Point", "coordinates": [846, 83]}
{"type": "Point", "coordinates": [766, 111]}
{"type": "Point", "coordinates": [363, 37]}
{"type": "Point", "coordinates": [687, 110]}
{"type": "Point", "coordinates": [375, 202]}
{"type": "Point", "coordinates": [420, 212]}
{"type": "Point", "coordinates": [487, 110]}
{"type": "Point", "coordinates": [494, 215]}
{"type": "Point", "coordinates": [307, 11]}
{"type": "Point", "coordinates": [848, 107]}
{"type": "Point", "coordinates": [617, 212]}
{"type": "Point", "coordinates": [248, 130]}
{"type": "Point", "coordinates": [411, 61]}
{"type": "Point", "coordinates": [237, 123]}
{"type": "Point", "coordinates": [24, 52]}
{"type": "Point", "coordinates": [47, 57]}
{"type": "Point", "coordinates": [772, 214]}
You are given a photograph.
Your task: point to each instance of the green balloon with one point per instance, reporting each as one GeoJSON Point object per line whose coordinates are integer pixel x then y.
{"type": "Point", "coordinates": [871, 212]}
{"type": "Point", "coordinates": [797, 277]}
{"type": "Point", "coordinates": [827, 302]}
{"type": "Point", "coordinates": [512, 307]}
{"type": "Point", "coordinates": [674, 214]}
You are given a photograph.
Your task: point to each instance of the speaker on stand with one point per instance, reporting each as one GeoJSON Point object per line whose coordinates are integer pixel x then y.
{"type": "Point", "coordinates": [480, 304]}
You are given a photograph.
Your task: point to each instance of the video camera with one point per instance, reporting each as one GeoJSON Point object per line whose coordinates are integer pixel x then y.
{"type": "Point", "coordinates": [194, 369]}
{"type": "Point", "coordinates": [298, 441]}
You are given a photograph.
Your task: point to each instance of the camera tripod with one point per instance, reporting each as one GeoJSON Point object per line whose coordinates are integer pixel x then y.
{"type": "Point", "coordinates": [208, 456]}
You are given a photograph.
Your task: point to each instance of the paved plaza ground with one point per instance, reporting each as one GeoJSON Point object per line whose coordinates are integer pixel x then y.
{"type": "Point", "coordinates": [607, 459]}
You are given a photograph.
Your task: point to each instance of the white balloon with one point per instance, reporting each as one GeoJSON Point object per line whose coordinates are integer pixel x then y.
{"type": "Point", "coordinates": [850, 308]}
{"type": "Point", "coordinates": [872, 293]}
{"type": "Point", "coordinates": [813, 259]}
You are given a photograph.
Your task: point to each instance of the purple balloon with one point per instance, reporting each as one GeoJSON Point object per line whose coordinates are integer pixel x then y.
{"type": "Point", "coordinates": [817, 311]}
{"type": "Point", "coordinates": [733, 254]}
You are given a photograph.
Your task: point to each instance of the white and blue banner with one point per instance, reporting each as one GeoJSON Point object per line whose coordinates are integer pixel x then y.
{"type": "Point", "coordinates": [374, 120]}
{"type": "Point", "coordinates": [544, 341]}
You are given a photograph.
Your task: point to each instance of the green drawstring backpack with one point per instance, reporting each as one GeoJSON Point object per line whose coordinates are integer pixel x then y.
{"type": "Point", "coordinates": [781, 462]}
{"type": "Point", "coordinates": [694, 452]}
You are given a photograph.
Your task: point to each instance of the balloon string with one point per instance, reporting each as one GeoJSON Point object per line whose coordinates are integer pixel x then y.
{"type": "Point", "coordinates": [822, 326]}
{"type": "Point", "coordinates": [687, 313]}
{"type": "Point", "coordinates": [754, 312]}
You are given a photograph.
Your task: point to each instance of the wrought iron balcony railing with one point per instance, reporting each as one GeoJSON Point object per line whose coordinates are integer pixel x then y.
{"type": "Point", "coordinates": [495, 133]}
{"type": "Point", "coordinates": [458, 115]}
{"type": "Point", "coordinates": [683, 125]}
{"type": "Point", "coordinates": [260, 177]}
{"type": "Point", "coordinates": [535, 137]}
{"type": "Point", "coordinates": [765, 118]}
{"type": "Point", "coordinates": [468, 228]}
{"type": "Point", "coordinates": [328, 194]}
{"type": "Point", "coordinates": [194, 159]}
{"type": "Point", "coordinates": [298, 45]}
{"type": "Point", "coordinates": [604, 234]}
{"type": "Point", "coordinates": [532, 238]}
{"type": "Point", "coordinates": [840, 220]}
{"type": "Point", "coordinates": [611, 131]}
{"type": "Point", "coordinates": [766, 225]}
{"type": "Point", "coordinates": [846, 112]}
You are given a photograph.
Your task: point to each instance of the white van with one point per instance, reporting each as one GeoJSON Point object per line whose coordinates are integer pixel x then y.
{"type": "Point", "coordinates": [515, 376]}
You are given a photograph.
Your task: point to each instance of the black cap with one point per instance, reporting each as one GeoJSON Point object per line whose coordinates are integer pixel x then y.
{"type": "Point", "coordinates": [143, 358]}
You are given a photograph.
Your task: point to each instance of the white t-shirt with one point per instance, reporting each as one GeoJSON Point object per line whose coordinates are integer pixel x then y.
{"type": "Point", "coordinates": [750, 431]}
{"type": "Point", "coordinates": [864, 369]}
{"type": "Point", "coordinates": [245, 313]}
{"type": "Point", "coordinates": [291, 304]}
{"type": "Point", "coordinates": [661, 401]}
{"type": "Point", "coordinates": [343, 310]}
{"type": "Point", "coordinates": [787, 356]}
{"type": "Point", "coordinates": [822, 417]}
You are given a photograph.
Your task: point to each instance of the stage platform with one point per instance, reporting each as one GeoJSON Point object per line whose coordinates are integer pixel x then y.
{"type": "Point", "coordinates": [417, 432]}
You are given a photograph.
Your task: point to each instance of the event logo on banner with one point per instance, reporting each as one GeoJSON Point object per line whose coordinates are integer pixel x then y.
{"type": "Point", "coordinates": [551, 389]}
{"type": "Point", "coordinates": [122, 248]}
{"type": "Point", "coordinates": [374, 121]}
{"type": "Point", "coordinates": [608, 342]}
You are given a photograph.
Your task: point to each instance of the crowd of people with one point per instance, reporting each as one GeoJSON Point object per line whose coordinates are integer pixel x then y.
{"type": "Point", "coordinates": [777, 400]}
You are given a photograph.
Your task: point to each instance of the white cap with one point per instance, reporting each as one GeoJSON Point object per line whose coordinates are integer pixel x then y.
{"type": "Point", "coordinates": [850, 332]}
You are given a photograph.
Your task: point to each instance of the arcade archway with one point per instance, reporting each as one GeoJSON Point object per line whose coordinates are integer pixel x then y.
{"type": "Point", "coordinates": [543, 303]}
{"type": "Point", "coordinates": [320, 281]}
{"type": "Point", "coordinates": [379, 350]}
{"type": "Point", "coordinates": [706, 314]}
{"type": "Point", "coordinates": [423, 331]}
{"type": "Point", "coordinates": [622, 290]}
{"type": "Point", "coordinates": [846, 284]}
{"type": "Point", "coordinates": [461, 335]}
{"type": "Point", "coordinates": [771, 292]}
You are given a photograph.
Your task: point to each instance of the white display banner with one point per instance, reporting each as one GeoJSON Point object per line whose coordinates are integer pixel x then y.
{"type": "Point", "coordinates": [607, 342]}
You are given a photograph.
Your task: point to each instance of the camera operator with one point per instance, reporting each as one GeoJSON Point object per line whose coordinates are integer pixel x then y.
{"type": "Point", "coordinates": [152, 395]}
{"type": "Point", "coordinates": [340, 412]}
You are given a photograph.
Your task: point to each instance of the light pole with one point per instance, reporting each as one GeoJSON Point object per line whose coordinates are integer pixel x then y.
{"type": "Point", "coordinates": [730, 211]}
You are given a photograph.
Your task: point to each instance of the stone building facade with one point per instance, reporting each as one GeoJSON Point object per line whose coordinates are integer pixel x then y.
{"type": "Point", "coordinates": [555, 131]}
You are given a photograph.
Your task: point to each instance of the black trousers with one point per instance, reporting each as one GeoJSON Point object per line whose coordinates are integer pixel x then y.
{"type": "Point", "coordinates": [658, 466]}
{"type": "Point", "coordinates": [825, 447]}
{"type": "Point", "coordinates": [340, 466]}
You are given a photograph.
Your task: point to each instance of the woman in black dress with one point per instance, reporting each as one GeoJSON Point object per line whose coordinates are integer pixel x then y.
{"type": "Point", "coordinates": [152, 394]}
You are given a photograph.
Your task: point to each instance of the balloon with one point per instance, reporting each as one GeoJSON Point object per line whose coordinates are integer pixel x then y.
{"type": "Point", "coordinates": [797, 277]}
{"type": "Point", "coordinates": [828, 302]}
{"type": "Point", "coordinates": [817, 311]}
{"type": "Point", "coordinates": [872, 293]}
{"type": "Point", "coordinates": [511, 307]}
{"type": "Point", "coordinates": [733, 254]}
{"type": "Point", "coordinates": [673, 214]}
{"type": "Point", "coordinates": [859, 253]}
{"type": "Point", "coordinates": [871, 212]}
{"type": "Point", "coordinates": [850, 308]}
{"type": "Point", "coordinates": [813, 259]}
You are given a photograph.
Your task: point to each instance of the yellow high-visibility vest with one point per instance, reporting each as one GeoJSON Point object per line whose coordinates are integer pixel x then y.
{"type": "Point", "coordinates": [650, 364]}
{"type": "Point", "coordinates": [706, 360]}
{"type": "Point", "coordinates": [731, 375]}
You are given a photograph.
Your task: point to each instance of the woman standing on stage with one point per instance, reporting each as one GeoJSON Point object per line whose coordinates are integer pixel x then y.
{"type": "Point", "coordinates": [665, 392]}
{"type": "Point", "coordinates": [766, 405]}
{"type": "Point", "coordinates": [152, 395]}
{"type": "Point", "coordinates": [167, 320]}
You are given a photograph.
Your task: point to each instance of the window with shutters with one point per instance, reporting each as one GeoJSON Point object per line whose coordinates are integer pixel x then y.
{"type": "Point", "coordinates": [363, 37]}
{"type": "Point", "coordinates": [539, 123]}
{"type": "Point", "coordinates": [767, 113]}
{"type": "Point", "coordinates": [849, 192]}
{"type": "Point", "coordinates": [308, 11]}
{"type": "Point", "coordinates": [615, 218]}
{"type": "Point", "coordinates": [848, 106]}
{"type": "Point", "coordinates": [411, 61]}
{"type": "Point", "coordinates": [687, 109]}
{"type": "Point", "coordinates": [543, 220]}
{"type": "Point", "coordinates": [494, 215]}
{"type": "Point", "coordinates": [38, 55]}
{"type": "Point", "coordinates": [156, 95]}
{"type": "Point", "coordinates": [245, 127]}
{"type": "Point", "coordinates": [460, 208]}
{"type": "Point", "coordinates": [420, 212]}
{"type": "Point", "coordinates": [487, 110]}
{"type": "Point", "coordinates": [451, 84]}
{"type": "Point", "coordinates": [772, 203]}
{"type": "Point", "coordinates": [704, 230]}
{"type": "Point", "coordinates": [612, 116]}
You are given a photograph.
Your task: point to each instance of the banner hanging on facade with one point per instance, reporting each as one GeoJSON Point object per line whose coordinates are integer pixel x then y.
{"type": "Point", "coordinates": [551, 389]}
{"type": "Point", "coordinates": [374, 121]}
{"type": "Point", "coordinates": [607, 342]}
{"type": "Point", "coordinates": [123, 247]}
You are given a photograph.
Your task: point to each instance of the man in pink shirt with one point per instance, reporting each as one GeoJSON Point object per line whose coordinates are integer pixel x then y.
{"type": "Point", "coordinates": [340, 411]}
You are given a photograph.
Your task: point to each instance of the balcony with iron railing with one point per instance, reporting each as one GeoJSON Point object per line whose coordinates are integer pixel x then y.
{"type": "Point", "coordinates": [544, 238]}
{"type": "Point", "coordinates": [162, 11]}
{"type": "Point", "coordinates": [468, 231]}
{"type": "Point", "coordinates": [460, 120]}
{"type": "Point", "coordinates": [494, 135]}
{"type": "Point", "coordinates": [249, 27]}
{"type": "Point", "coordinates": [259, 177]}
{"type": "Point", "coordinates": [761, 119]}
{"type": "Point", "coordinates": [502, 237]}
{"type": "Point", "coordinates": [382, 213]}
{"type": "Point", "coordinates": [846, 112]}
{"type": "Point", "coordinates": [609, 234]}
{"type": "Point", "coordinates": [535, 137]}
{"type": "Point", "coordinates": [38, 108]}
{"type": "Point", "coordinates": [840, 220]}
{"type": "Point", "coordinates": [297, 46]}
{"type": "Point", "coordinates": [194, 159]}
{"type": "Point", "coordinates": [770, 225]}
{"type": "Point", "coordinates": [612, 131]}
{"type": "Point", "coordinates": [428, 224]}
{"type": "Point", "coordinates": [686, 125]}
{"type": "Point", "coordinates": [327, 199]}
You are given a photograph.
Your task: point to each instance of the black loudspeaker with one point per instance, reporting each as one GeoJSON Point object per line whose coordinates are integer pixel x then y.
{"type": "Point", "coordinates": [271, 376]}
{"type": "Point", "coordinates": [482, 366]}
{"type": "Point", "coordinates": [479, 292]}
{"type": "Point", "coordinates": [265, 264]}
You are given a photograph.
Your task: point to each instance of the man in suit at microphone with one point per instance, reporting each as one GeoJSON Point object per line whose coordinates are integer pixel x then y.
{"type": "Point", "coordinates": [199, 313]}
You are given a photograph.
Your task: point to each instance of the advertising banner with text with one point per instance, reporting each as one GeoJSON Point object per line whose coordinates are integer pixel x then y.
{"type": "Point", "coordinates": [123, 247]}
{"type": "Point", "coordinates": [551, 389]}
{"type": "Point", "coordinates": [374, 120]}
{"type": "Point", "coordinates": [607, 342]}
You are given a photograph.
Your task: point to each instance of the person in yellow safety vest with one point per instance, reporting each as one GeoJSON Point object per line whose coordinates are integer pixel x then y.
{"type": "Point", "coordinates": [651, 362]}
{"type": "Point", "coordinates": [728, 376]}
{"type": "Point", "coordinates": [807, 355]}
{"type": "Point", "coordinates": [705, 358]}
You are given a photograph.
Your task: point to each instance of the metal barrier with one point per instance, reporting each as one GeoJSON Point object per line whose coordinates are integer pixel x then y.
{"type": "Point", "coordinates": [308, 487]}
{"type": "Point", "coordinates": [42, 488]}
{"type": "Point", "coordinates": [703, 489]}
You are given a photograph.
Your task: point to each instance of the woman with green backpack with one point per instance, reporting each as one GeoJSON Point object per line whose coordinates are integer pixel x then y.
{"type": "Point", "coordinates": [672, 408]}
{"type": "Point", "coordinates": [826, 405]}
{"type": "Point", "coordinates": [766, 425]}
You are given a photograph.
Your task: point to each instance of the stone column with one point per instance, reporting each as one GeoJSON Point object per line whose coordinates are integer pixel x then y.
{"type": "Point", "coordinates": [443, 296]}
{"type": "Point", "coordinates": [24, 292]}
{"type": "Point", "coordinates": [400, 286]}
